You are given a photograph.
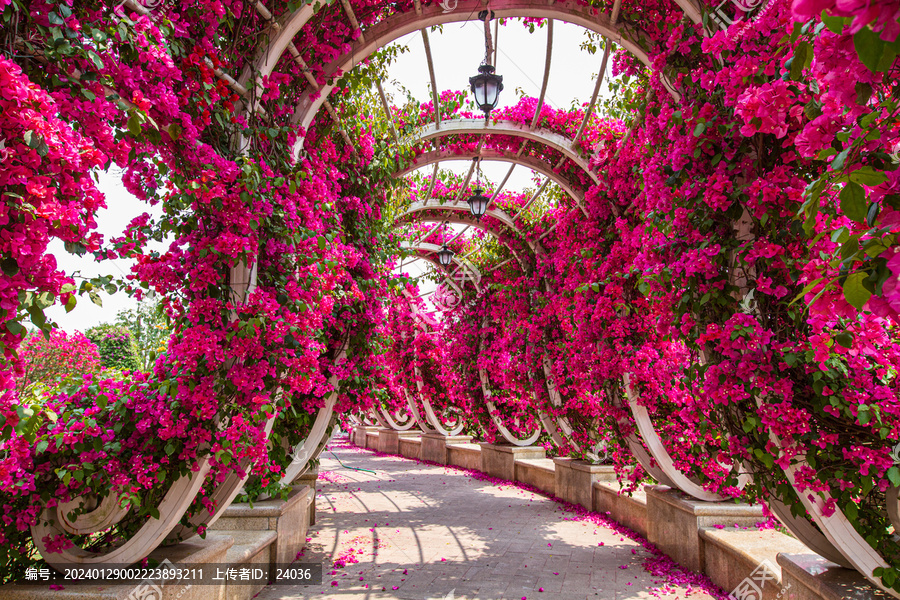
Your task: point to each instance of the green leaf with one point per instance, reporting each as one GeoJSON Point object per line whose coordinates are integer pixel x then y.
{"type": "Point", "coordinates": [863, 93]}
{"type": "Point", "coordinates": [853, 202]}
{"type": "Point", "coordinates": [10, 266]}
{"type": "Point", "coordinates": [845, 339]}
{"type": "Point", "coordinates": [854, 292]}
{"type": "Point", "coordinates": [802, 56]}
{"type": "Point", "coordinates": [838, 163]}
{"type": "Point", "coordinates": [834, 24]}
{"type": "Point", "coordinates": [851, 511]}
{"type": "Point", "coordinates": [322, 243]}
{"type": "Point", "coordinates": [699, 129]}
{"type": "Point", "coordinates": [868, 176]}
{"type": "Point", "coordinates": [134, 124]}
{"type": "Point", "coordinates": [14, 327]}
{"type": "Point", "coordinates": [869, 48]}
{"type": "Point", "coordinates": [894, 475]}
{"type": "Point", "coordinates": [98, 62]}
{"type": "Point", "coordinates": [95, 298]}
{"type": "Point", "coordinates": [840, 235]}
{"type": "Point", "coordinates": [872, 214]}
{"type": "Point", "coordinates": [863, 415]}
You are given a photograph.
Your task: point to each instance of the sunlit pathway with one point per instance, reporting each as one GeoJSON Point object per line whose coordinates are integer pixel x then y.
{"type": "Point", "coordinates": [421, 531]}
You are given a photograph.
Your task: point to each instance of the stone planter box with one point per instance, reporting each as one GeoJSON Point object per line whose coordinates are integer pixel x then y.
{"type": "Point", "coordinates": [467, 456]}
{"type": "Point", "coordinates": [310, 478]}
{"type": "Point", "coordinates": [575, 480]}
{"type": "Point", "coordinates": [359, 435]}
{"type": "Point", "coordinates": [500, 461]}
{"type": "Point", "coordinates": [537, 472]}
{"type": "Point", "coordinates": [194, 552]}
{"type": "Point", "coordinates": [287, 519]}
{"type": "Point", "coordinates": [411, 447]}
{"type": "Point", "coordinates": [371, 438]}
{"type": "Point", "coordinates": [435, 446]}
{"type": "Point", "coordinates": [630, 511]}
{"type": "Point", "coordinates": [389, 439]}
{"type": "Point", "coordinates": [810, 577]}
{"type": "Point", "coordinates": [732, 555]}
{"type": "Point", "coordinates": [674, 521]}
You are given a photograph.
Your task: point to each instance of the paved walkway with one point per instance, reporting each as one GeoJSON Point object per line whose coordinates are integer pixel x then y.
{"type": "Point", "coordinates": [419, 531]}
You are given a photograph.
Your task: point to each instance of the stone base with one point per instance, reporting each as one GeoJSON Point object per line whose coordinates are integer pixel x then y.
{"type": "Point", "coordinates": [372, 438]}
{"type": "Point", "coordinates": [434, 446]}
{"type": "Point", "coordinates": [194, 552]}
{"type": "Point", "coordinates": [467, 456]}
{"type": "Point", "coordinates": [359, 435]}
{"type": "Point", "coordinates": [411, 447]}
{"type": "Point", "coordinates": [251, 549]}
{"type": "Point", "coordinates": [630, 511]}
{"type": "Point", "coordinates": [674, 521]}
{"type": "Point", "coordinates": [731, 555]}
{"type": "Point", "coordinates": [575, 480]}
{"type": "Point", "coordinates": [309, 479]}
{"type": "Point", "coordinates": [288, 519]}
{"type": "Point", "coordinates": [537, 472]}
{"type": "Point", "coordinates": [811, 577]}
{"type": "Point", "coordinates": [389, 439]}
{"type": "Point", "coordinates": [500, 461]}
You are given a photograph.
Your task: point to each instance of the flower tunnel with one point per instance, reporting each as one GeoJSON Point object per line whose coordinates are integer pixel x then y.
{"type": "Point", "coordinates": [700, 288]}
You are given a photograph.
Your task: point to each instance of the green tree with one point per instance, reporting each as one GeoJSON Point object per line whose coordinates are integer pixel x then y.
{"type": "Point", "coordinates": [116, 344]}
{"type": "Point", "coordinates": [151, 330]}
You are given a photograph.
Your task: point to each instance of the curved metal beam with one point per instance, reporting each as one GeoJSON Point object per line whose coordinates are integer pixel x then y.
{"type": "Point", "coordinates": [401, 24]}
{"type": "Point", "coordinates": [477, 127]}
{"type": "Point", "coordinates": [558, 142]}
{"type": "Point", "coordinates": [428, 251]}
{"type": "Point", "coordinates": [535, 164]}
{"type": "Point", "coordinates": [285, 30]}
{"type": "Point", "coordinates": [461, 216]}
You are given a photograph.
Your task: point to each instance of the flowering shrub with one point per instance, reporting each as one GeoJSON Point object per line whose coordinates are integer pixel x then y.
{"type": "Point", "coordinates": [306, 233]}
{"type": "Point", "coordinates": [756, 338]}
{"type": "Point", "coordinates": [51, 361]}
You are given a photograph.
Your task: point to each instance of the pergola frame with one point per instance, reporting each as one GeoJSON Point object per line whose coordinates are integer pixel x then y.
{"type": "Point", "coordinates": [399, 24]}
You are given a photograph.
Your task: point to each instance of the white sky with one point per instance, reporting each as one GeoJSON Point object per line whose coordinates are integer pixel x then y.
{"type": "Point", "coordinates": [457, 51]}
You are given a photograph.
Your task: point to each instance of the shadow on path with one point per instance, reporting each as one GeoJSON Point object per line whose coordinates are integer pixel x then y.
{"type": "Point", "coordinates": [419, 531]}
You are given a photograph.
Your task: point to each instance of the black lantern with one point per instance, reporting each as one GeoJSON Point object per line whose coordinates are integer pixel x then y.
{"type": "Point", "coordinates": [478, 203]}
{"type": "Point", "coordinates": [445, 256]}
{"type": "Point", "coordinates": [486, 87]}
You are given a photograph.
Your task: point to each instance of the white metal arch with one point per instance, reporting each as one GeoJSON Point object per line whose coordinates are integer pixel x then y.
{"type": "Point", "coordinates": [401, 24]}
{"type": "Point", "coordinates": [478, 127]}
{"type": "Point", "coordinates": [459, 214]}
{"type": "Point", "coordinates": [467, 271]}
{"type": "Point", "coordinates": [491, 155]}
{"type": "Point", "coordinates": [431, 212]}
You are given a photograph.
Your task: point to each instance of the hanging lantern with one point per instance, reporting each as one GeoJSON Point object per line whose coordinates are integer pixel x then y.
{"type": "Point", "coordinates": [445, 256]}
{"type": "Point", "coordinates": [486, 87]}
{"type": "Point", "coordinates": [478, 203]}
